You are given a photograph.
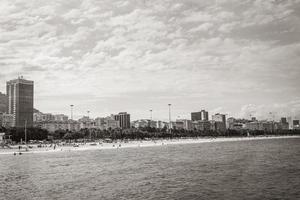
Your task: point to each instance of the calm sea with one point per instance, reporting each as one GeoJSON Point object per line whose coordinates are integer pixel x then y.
{"type": "Point", "coordinates": [261, 169]}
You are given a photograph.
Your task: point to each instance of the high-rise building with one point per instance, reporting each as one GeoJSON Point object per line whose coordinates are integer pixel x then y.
{"type": "Point", "coordinates": [20, 101]}
{"type": "Point", "coordinates": [220, 120]}
{"type": "Point", "coordinates": [196, 116]}
{"type": "Point", "coordinates": [201, 115]}
{"type": "Point", "coordinates": [124, 119]}
{"type": "Point", "coordinates": [204, 115]}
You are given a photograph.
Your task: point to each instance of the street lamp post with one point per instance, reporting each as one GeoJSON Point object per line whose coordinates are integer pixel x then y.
{"type": "Point", "coordinates": [71, 111]}
{"type": "Point", "coordinates": [150, 114]}
{"type": "Point", "coordinates": [88, 125]}
{"type": "Point", "coordinates": [169, 116]}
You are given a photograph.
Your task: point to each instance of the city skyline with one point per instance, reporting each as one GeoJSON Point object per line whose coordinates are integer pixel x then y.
{"type": "Point", "coordinates": [13, 104]}
{"type": "Point", "coordinates": [236, 58]}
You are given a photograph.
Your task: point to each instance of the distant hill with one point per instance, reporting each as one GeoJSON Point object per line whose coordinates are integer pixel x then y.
{"type": "Point", "coordinates": [3, 104]}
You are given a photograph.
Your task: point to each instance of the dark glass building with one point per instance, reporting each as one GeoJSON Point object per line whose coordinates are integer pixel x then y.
{"type": "Point", "coordinates": [124, 119]}
{"type": "Point", "coordinates": [197, 116]}
{"type": "Point", "coordinates": [20, 101]}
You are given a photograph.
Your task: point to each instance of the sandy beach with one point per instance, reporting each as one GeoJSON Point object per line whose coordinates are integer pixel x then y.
{"type": "Point", "coordinates": [130, 144]}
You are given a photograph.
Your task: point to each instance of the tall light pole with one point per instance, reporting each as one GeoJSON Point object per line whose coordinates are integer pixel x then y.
{"type": "Point", "coordinates": [169, 116]}
{"type": "Point", "coordinates": [88, 125]}
{"type": "Point", "coordinates": [151, 114]}
{"type": "Point", "coordinates": [71, 111]}
{"type": "Point", "coordinates": [88, 122]}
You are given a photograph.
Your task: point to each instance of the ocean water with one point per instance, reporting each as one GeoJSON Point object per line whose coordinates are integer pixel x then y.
{"type": "Point", "coordinates": [258, 169]}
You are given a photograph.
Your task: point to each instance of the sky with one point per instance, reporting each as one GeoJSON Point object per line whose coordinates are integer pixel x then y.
{"type": "Point", "coordinates": [240, 58]}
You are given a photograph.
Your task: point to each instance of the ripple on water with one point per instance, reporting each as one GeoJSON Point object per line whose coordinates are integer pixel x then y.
{"type": "Point", "coordinates": [258, 169]}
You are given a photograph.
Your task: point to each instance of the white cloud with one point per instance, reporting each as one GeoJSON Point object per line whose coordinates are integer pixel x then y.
{"type": "Point", "coordinates": [202, 28]}
{"type": "Point", "coordinates": [272, 111]}
{"type": "Point", "coordinates": [198, 54]}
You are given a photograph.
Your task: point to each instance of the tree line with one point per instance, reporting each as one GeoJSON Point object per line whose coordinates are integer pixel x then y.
{"type": "Point", "coordinates": [17, 134]}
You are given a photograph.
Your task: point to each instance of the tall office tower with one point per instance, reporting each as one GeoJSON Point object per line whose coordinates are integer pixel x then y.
{"type": "Point", "coordinates": [20, 101]}
{"type": "Point", "coordinates": [204, 115]}
{"type": "Point", "coordinates": [220, 118]}
{"type": "Point", "coordinates": [124, 119]}
{"type": "Point", "coordinates": [196, 116]}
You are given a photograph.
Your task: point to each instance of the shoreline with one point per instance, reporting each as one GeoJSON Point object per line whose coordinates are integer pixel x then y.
{"type": "Point", "coordinates": [134, 144]}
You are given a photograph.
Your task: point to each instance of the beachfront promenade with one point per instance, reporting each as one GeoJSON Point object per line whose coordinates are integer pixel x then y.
{"type": "Point", "coordinates": [118, 144]}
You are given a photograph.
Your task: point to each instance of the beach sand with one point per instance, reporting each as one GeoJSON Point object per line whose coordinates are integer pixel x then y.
{"type": "Point", "coordinates": [129, 144]}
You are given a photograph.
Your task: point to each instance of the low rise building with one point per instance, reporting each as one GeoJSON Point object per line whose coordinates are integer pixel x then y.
{"type": "Point", "coordinates": [53, 126]}
{"type": "Point", "coordinates": [202, 125]}
{"type": "Point", "coordinates": [141, 123]}
{"type": "Point", "coordinates": [161, 124]}
{"type": "Point", "coordinates": [86, 123]}
{"type": "Point", "coordinates": [237, 126]}
{"type": "Point", "coordinates": [296, 124]}
{"type": "Point", "coordinates": [105, 123]}
{"type": "Point", "coordinates": [187, 124]}
{"type": "Point", "coordinates": [283, 124]}
{"type": "Point", "coordinates": [261, 126]}
{"type": "Point", "coordinates": [61, 117]}
{"type": "Point", "coordinates": [178, 124]}
{"type": "Point", "coordinates": [42, 117]}
{"type": "Point", "coordinates": [220, 126]}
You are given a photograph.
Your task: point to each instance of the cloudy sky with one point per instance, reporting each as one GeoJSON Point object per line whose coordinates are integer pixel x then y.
{"type": "Point", "coordinates": [235, 57]}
